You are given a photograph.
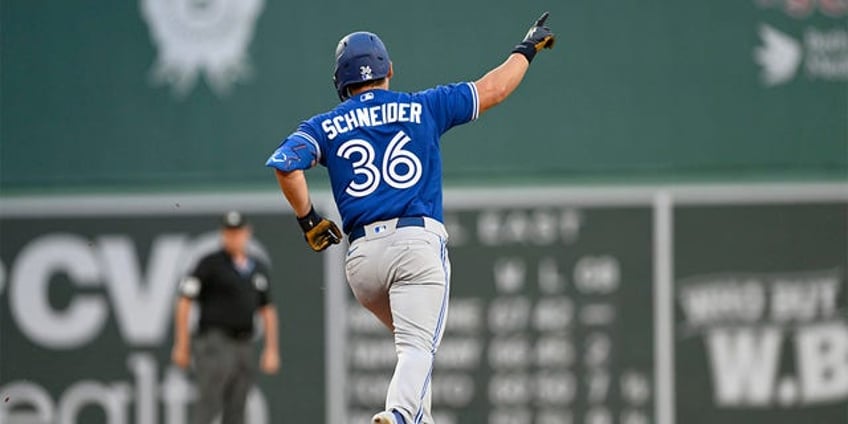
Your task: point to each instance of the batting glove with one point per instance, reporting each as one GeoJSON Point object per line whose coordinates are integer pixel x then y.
{"type": "Point", "coordinates": [319, 232]}
{"type": "Point", "coordinates": [538, 37]}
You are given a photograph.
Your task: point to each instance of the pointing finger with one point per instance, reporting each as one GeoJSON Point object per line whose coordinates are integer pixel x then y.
{"type": "Point", "coordinates": [542, 19]}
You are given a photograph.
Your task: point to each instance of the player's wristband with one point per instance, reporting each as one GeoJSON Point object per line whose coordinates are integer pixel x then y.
{"type": "Point", "coordinates": [527, 48]}
{"type": "Point", "coordinates": [310, 220]}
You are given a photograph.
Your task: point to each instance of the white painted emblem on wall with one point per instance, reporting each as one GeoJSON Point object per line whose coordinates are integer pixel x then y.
{"type": "Point", "coordinates": [201, 37]}
{"type": "Point", "coordinates": [779, 56]}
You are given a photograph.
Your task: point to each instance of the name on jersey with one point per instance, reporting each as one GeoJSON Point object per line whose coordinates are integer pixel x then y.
{"type": "Point", "coordinates": [386, 113]}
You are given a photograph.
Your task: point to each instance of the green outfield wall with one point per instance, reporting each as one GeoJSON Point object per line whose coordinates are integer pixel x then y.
{"type": "Point", "coordinates": [151, 95]}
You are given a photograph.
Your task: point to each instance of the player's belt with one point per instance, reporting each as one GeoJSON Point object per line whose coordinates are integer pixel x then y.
{"type": "Point", "coordinates": [410, 221]}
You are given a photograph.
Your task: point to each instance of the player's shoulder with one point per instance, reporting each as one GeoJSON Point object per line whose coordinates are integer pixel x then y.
{"type": "Point", "coordinates": [315, 121]}
{"type": "Point", "coordinates": [444, 89]}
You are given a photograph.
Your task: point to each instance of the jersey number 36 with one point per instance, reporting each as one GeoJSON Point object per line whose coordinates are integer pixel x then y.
{"type": "Point", "coordinates": [394, 161]}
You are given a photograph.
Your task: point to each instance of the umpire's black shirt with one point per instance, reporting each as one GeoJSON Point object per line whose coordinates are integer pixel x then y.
{"type": "Point", "coordinates": [228, 296]}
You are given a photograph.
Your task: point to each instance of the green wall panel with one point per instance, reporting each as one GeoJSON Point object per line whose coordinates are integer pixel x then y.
{"type": "Point", "coordinates": [646, 90]}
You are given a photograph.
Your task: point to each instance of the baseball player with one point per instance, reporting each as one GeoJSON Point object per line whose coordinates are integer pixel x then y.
{"type": "Point", "coordinates": [381, 149]}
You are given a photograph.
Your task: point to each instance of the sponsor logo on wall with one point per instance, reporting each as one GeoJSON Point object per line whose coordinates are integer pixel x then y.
{"type": "Point", "coordinates": [111, 282]}
{"type": "Point", "coordinates": [816, 51]}
{"type": "Point", "coordinates": [775, 340]}
{"type": "Point", "coordinates": [201, 38]}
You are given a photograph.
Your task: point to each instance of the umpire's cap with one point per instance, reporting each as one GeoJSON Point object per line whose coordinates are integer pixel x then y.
{"type": "Point", "coordinates": [360, 56]}
{"type": "Point", "coordinates": [233, 219]}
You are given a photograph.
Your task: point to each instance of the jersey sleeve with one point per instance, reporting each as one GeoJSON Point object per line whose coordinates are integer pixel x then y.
{"type": "Point", "coordinates": [191, 285]}
{"type": "Point", "coordinates": [453, 104]}
{"type": "Point", "coordinates": [262, 282]}
{"type": "Point", "coordinates": [300, 150]}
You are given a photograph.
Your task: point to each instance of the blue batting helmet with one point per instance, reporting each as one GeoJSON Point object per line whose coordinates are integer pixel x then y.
{"type": "Point", "coordinates": [360, 56]}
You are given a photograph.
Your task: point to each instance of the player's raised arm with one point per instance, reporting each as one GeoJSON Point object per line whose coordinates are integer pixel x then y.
{"type": "Point", "coordinates": [499, 83]}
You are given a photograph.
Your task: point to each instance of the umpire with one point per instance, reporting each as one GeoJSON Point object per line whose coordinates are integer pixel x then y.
{"type": "Point", "coordinates": [230, 287]}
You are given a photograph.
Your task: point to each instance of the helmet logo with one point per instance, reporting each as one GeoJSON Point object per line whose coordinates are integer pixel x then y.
{"type": "Point", "coordinates": [201, 38]}
{"type": "Point", "coordinates": [365, 72]}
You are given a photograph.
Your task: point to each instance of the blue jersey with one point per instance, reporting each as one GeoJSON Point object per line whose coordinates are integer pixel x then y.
{"type": "Point", "coordinates": [381, 149]}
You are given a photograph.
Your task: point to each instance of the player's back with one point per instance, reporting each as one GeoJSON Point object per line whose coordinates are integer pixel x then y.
{"type": "Point", "coordinates": [382, 152]}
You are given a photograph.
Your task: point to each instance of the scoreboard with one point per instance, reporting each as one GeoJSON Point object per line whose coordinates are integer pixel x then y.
{"type": "Point", "coordinates": [550, 320]}
{"type": "Point", "coordinates": [632, 307]}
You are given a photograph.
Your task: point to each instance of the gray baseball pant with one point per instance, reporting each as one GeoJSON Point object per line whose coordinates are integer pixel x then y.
{"type": "Point", "coordinates": [402, 275]}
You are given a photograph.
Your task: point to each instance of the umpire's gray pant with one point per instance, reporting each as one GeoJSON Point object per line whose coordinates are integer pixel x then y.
{"type": "Point", "coordinates": [402, 275]}
{"type": "Point", "coordinates": [224, 373]}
